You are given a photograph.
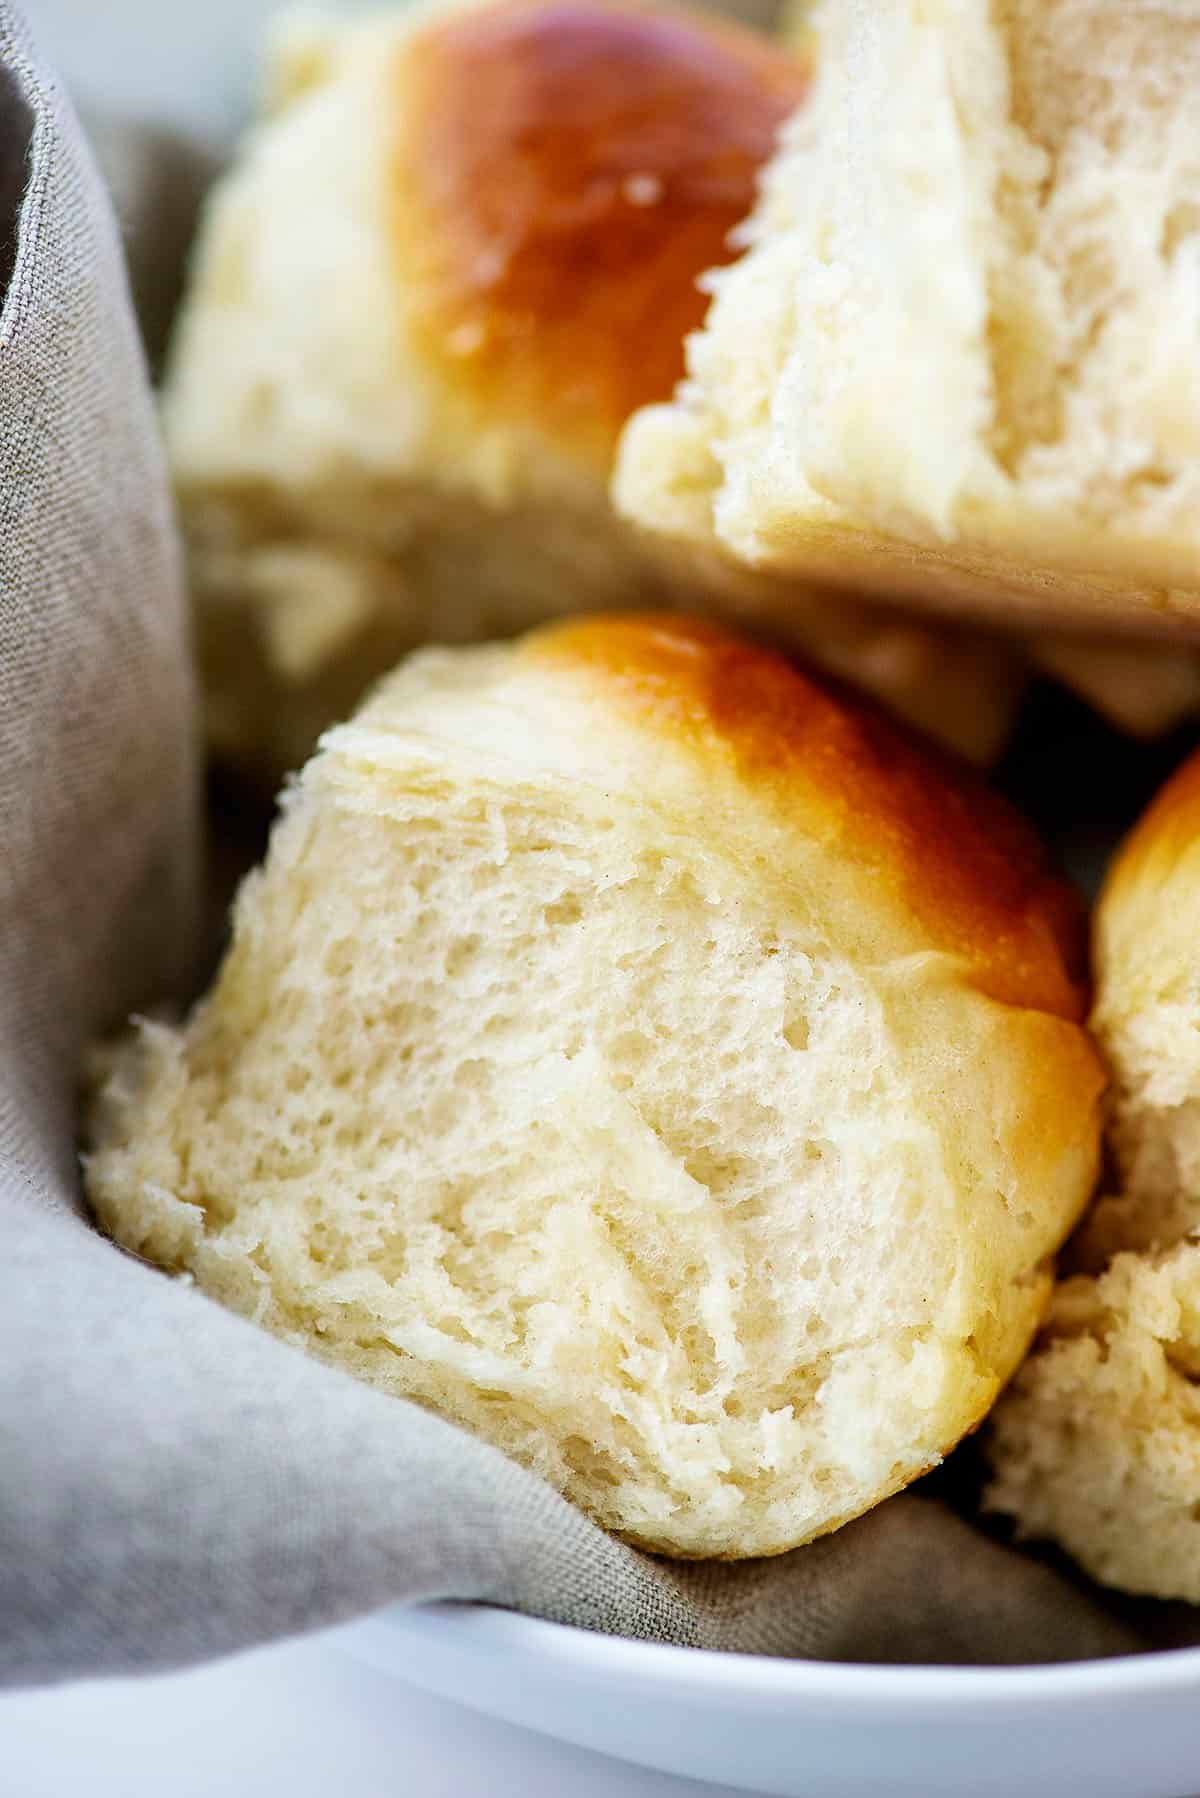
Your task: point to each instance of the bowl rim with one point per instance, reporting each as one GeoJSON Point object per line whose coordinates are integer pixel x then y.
{"type": "Point", "coordinates": [592, 1655]}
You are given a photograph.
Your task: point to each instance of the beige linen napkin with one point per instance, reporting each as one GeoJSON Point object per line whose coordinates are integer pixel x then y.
{"type": "Point", "coordinates": [173, 1484]}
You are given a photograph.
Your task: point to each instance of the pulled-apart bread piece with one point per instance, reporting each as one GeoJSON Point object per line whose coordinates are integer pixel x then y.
{"type": "Point", "coordinates": [960, 360]}
{"type": "Point", "coordinates": [1142, 688]}
{"type": "Point", "coordinates": [1146, 1019]}
{"type": "Point", "coordinates": [1097, 1443]}
{"type": "Point", "coordinates": [657, 1064]}
{"type": "Point", "coordinates": [461, 247]}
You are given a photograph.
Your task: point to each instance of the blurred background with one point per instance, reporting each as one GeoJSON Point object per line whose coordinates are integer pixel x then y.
{"type": "Point", "coordinates": [190, 67]}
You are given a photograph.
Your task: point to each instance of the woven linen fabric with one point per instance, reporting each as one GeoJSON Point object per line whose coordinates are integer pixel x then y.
{"type": "Point", "coordinates": [174, 1484]}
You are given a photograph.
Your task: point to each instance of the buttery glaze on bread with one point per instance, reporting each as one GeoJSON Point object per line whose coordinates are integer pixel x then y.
{"type": "Point", "coordinates": [651, 1061]}
{"type": "Point", "coordinates": [1097, 1444]}
{"type": "Point", "coordinates": [563, 172]}
{"type": "Point", "coordinates": [462, 246]}
{"type": "Point", "coordinates": [960, 362]}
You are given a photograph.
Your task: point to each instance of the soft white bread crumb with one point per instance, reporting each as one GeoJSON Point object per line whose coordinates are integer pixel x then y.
{"type": "Point", "coordinates": [1146, 1019]}
{"type": "Point", "coordinates": [960, 359]}
{"type": "Point", "coordinates": [644, 1059]}
{"type": "Point", "coordinates": [1096, 1445]}
{"type": "Point", "coordinates": [458, 250]}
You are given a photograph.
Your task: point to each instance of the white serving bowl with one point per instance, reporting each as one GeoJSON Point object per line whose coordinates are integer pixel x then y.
{"type": "Point", "coordinates": [1122, 1728]}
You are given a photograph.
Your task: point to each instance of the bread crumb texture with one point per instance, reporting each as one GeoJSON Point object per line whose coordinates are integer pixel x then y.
{"type": "Point", "coordinates": [591, 1065]}
{"type": "Point", "coordinates": [962, 351]}
{"type": "Point", "coordinates": [1146, 1020]}
{"type": "Point", "coordinates": [1097, 1444]}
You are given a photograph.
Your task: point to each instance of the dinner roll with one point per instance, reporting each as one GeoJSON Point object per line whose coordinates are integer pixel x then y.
{"type": "Point", "coordinates": [1096, 1445]}
{"type": "Point", "coordinates": [960, 360]}
{"type": "Point", "coordinates": [657, 1064]}
{"type": "Point", "coordinates": [1147, 1021]}
{"type": "Point", "coordinates": [461, 246]}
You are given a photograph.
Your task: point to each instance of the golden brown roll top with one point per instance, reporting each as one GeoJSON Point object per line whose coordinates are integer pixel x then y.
{"type": "Point", "coordinates": [1150, 867]}
{"type": "Point", "coordinates": [929, 834]}
{"type": "Point", "coordinates": [564, 172]}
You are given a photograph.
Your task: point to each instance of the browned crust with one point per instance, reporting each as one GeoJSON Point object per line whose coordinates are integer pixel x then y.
{"type": "Point", "coordinates": [1168, 827]}
{"type": "Point", "coordinates": [953, 851]}
{"type": "Point", "coordinates": [564, 170]}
